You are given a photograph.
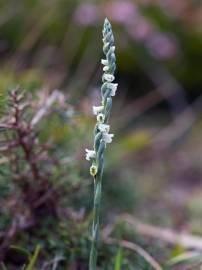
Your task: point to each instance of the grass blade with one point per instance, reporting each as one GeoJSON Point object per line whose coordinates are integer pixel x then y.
{"type": "Point", "coordinates": [33, 258]}
{"type": "Point", "coordinates": [118, 259]}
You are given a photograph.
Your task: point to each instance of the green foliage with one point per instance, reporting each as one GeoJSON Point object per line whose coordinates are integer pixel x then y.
{"type": "Point", "coordinates": [118, 259]}
{"type": "Point", "coordinates": [33, 258]}
{"type": "Point", "coordinates": [3, 100]}
{"type": "Point", "coordinates": [186, 257]}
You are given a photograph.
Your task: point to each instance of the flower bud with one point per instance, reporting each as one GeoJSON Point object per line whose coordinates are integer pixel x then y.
{"type": "Point", "coordinates": [100, 118]}
{"type": "Point", "coordinates": [93, 170]}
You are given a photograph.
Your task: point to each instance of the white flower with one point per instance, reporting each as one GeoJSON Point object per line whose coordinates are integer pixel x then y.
{"type": "Point", "coordinates": [104, 128]}
{"type": "Point", "coordinates": [107, 138]}
{"type": "Point", "coordinates": [108, 77]}
{"type": "Point", "coordinates": [113, 87]}
{"type": "Point", "coordinates": [97, 109]}
{"type": "Point", "coordinates": [105, 68]}
{"type": "Point", "coordinates": [100, 118]}
{"type": "Point", "coordinates": [105, 62]}
{"type": "Point", "coordinates": [90, 154]}
{"type": "Point", "coordinates": [106, 43]}
{"type": "Point", "coordinates": [112, 48]}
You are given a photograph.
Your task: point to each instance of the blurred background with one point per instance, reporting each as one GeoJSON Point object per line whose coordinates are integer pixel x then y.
{"type": "Point", "coordinates": [153, 169]}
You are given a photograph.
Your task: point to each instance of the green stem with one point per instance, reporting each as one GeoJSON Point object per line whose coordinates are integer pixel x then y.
{"type": "Point", "coordinates": [96, 222]}
{"type": "Point", "coordinates": [101, 137]}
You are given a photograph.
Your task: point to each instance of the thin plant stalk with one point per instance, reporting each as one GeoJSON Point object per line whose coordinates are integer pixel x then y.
{"type": "Point", "coordinates": [101, 134]}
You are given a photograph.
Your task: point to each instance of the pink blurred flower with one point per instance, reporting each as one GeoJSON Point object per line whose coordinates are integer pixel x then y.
{"type": "Point", "coordinates": [86, 14]}
{"type": "Point", "coordinates": [121, 11]}
{"type": "Point", "coordinates": [162, 46]}
{"type": "Point", "coordinates": [125, 12]}
{"type": "Point", "coordinates": [141, 30]}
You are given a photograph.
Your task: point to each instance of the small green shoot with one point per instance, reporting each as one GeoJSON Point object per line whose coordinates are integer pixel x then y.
{"type": "Point", "coordinates": [119, 259]}
{"type": "Point", "coordinates": [33, 258]}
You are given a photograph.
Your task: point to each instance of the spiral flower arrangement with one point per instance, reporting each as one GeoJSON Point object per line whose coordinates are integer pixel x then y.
{"type": "Point", "coordinates": [102, 137]}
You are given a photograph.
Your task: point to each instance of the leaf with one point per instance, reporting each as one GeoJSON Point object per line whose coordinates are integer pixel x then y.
{"type": "Point", "coordinates": [21, 250]}
{"type": "Point", "coordinates": [184, 257]}
{"type": "Point", "coordinates": [118, 259]}
{"type": "Point", "coordinates": [33, 258]}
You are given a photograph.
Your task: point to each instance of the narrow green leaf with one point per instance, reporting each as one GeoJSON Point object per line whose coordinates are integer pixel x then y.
{"type": "Point", "coordinates": [118, 259]}
{"type": "Point", "coordinates": [21, 250]}
{"type": "Point", "coordinates": [33, 258]}
{"type": "Point", "coordinates": [185, 257]}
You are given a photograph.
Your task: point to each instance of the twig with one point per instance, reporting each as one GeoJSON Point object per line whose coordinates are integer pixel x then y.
{"type": "Point", "coordinates": [7, 126]}
{"type": "Point", "coordinates": [138, 107]}
{"type": "Point", "coordinates": [55, 96]}
{"type": "Point", "coordinates": [10, 234]}
{"type": "Point", "coordinates": [167, 235]}
{"type": "Point", "coordinates": [134, 247]}
{"type": "Point", "coordinates": [181, 125]}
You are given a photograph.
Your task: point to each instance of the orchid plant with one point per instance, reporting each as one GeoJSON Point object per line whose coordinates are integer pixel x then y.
{"type": "Point", "coordinates": [102, 137]}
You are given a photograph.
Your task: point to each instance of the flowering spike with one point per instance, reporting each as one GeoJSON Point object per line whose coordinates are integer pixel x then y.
{"type": "Point", "coordinates": [101, 131]}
